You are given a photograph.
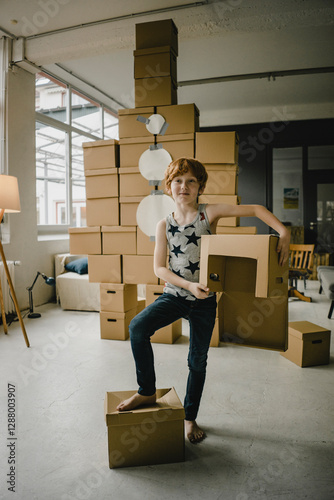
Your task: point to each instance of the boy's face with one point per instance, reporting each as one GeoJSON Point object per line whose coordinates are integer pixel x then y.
{"type": "Point", "coordinates": [185, 188]}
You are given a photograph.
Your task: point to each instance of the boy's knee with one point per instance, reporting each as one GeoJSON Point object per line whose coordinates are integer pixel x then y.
{"type": "Point", "coordinates": [198, 363]}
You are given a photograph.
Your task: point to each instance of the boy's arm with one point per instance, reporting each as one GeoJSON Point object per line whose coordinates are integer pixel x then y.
{"type": "Point", "coordinates": [160, 265]}
{"type": "Point", "coordinates": [218, 211]}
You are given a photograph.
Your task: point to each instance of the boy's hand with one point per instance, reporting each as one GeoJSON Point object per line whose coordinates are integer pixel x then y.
{"type": "Point", "coordinates": [283, 247]}
{"type": "Point", "coordinates": [200, 291]}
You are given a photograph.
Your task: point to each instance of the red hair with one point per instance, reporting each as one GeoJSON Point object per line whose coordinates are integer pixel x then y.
{"type": "Point", "coordinates": [183, 165]}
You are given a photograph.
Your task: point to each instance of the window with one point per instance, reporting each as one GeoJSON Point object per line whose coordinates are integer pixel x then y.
{"type": "Point", "coordinates": [65, 118]}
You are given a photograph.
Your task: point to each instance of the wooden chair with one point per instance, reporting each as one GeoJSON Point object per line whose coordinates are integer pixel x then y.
{"type": "Point", "coordinates": [300, 266]}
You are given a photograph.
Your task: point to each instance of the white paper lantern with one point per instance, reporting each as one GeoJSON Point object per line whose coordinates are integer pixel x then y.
{"type": "Point", "coordinates": [151, 210]}
{"type": "Point", "coordinates": [155, 124]}
{"type": "Point", "coordinates": [153, 164]}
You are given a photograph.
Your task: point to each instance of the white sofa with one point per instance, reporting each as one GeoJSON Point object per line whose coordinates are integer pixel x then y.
{"type": "Point", "coordinates": [73, 290]}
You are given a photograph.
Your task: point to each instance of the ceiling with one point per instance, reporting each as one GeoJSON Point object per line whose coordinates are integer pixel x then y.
{"type": "Point", "coordinates": [90, 44]}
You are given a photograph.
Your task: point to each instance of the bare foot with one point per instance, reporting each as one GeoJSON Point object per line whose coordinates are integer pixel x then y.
{"type": "Point", "coordinates": [136, 400]}
{"type": "Point", "coordinates": [193, 432]}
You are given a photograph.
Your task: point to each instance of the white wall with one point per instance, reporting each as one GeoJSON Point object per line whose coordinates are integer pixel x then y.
{"type": "Point", "coordinates": [34, 255]}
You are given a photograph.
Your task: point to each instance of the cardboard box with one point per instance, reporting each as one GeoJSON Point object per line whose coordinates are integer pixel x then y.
{"type": "Point", "coordinates": [115, 325]}
{"type": "Point", "coordinates": [160, 428]}
{"type": "Point", "coordinates": [128, 209]}
{"type": "Point", "coordinates": [102, 183]}
{"type": "Point", "coordinates": [181, 119]}
{"type": "Point", "coordinates": [155, 61]}
{"type": "Point", "coordinates": [157, 34]}
{"type": "Point", "coordinates": [156, 91]}
{"type": "Point", "coordinates": [118, 240]}
{"type": "Point", "coordinates": [100, 154]}
{"type": "Point", "coordinates": [180, 145]}
{"type": "Point", "coordinates": [129, 126]}
{"type": "Point", "coordinates": [118, 297]}
{"type": "Point", "coordinates": [138, 269]}
{"type": "Point", "coordinates": [145, 246]}
{"type": "Point", "coordinates": [271, 279]}
{"type": "Point", "coordinates": [308, 344]}
{"type": "Point", "coordinates": [104, 269]}
{"type": "Point", "coordinates": [141, 305]}
{"type": "Point", "coordinates": [236, 230]}
{"type": "Point", "coordinates": [170, 333]}
{"type": "Point", "coordinates": [223, 198]}
{"type": "Point", "coordinates": [85, 240]}
{"type": "Point", "coordinates": [131, 150]}
{"type": "Point", "coordinates": [222, 179]}
{"type": "Point", "coordinates": [217, 147]}
{"type": "Point", "coordinates": [102, 212]}
{"type": "Point", "coordinates": [219, 325]}
{"type": "Point", "coordinates": [255, 298]}
{"type": "Point", "coordinates": [132, 183]}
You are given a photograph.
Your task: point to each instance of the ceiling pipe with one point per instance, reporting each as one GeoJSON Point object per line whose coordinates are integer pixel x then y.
{"type": "Point", "coordinates": [119, 18]}
{"type": "Point", "coordinates": [254, 76]}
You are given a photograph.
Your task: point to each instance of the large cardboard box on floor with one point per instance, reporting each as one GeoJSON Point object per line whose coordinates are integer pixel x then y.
{"type": "Point", "coordinates": [147, 435]}
{"type": "Point", "coordinates": [156, 91]}
{"type": "Point", "coordinates": [308, 344]}
{"type": "Point", "coordinates": [102, 212]}
{"type": "Point", "coordinates": [138, 269]}
{"type": "Point", "coordinates": [118, 297]}
{"type": "Point", "coordinates": [129, 126]}
{"type": "Point", "coordinates": [85, 240]}
{"type": "Point", "coordinates": [155, 61]}
{"type": "Point", "coordinates": [101, 154]}
{"type": "Point", "coordinates": [255, 288]}
{"type": "Point", "coordinates": [118, 240]}
{"type": "Point", "coordinates": [115, 325]}
{"type": "Point", "coordinates": [217, 147]}
{"type": "Point", "coordinates": [181, 119]}
{"type": "Point", "coordinates": [105, 268]}
{"type": "Point", "coordinates": [223, 198]}
{"type": "Point", "coordinates": [157, 34]}
{"type": "Point", "coordinates": [222, 179]}
{"type": "Point", "coordinates": [102, 183]}
{"type": "Point", "coordinates": [170, 333]}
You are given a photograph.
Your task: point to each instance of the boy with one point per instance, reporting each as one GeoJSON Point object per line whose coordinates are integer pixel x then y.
{"type": "Point", "coordinates": [184, 296]}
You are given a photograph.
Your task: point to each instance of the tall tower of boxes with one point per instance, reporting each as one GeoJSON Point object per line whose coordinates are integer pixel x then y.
{"type": "Point", "coordinates": [120, 254]}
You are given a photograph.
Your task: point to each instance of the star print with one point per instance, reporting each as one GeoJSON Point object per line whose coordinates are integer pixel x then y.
{"type": "Point", "coordinates": [178, 273]}
{"type": "Point", "coordinates": [202, 216]}
{"type": "Point", "coordinates": [193, 239]}
{"type": "Point", "coordinates": [173, 229]}
{"type": "Point", "coordinates": [177, 250]}
{"type": "Point", "coordinates": [190, 225]}
{"type": "Point", "coordinates": [193, 266]}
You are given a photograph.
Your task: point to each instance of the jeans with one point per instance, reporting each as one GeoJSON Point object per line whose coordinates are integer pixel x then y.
{"type": "Point", "coordinates": [167, 308]}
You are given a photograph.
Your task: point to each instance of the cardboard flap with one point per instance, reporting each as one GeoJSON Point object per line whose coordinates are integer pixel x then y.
{"type": "Point", "coordinates": [168, 407]}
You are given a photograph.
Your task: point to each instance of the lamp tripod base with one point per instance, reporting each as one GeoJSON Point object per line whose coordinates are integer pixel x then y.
{"type": "Point", "coordinates": [34, 315]}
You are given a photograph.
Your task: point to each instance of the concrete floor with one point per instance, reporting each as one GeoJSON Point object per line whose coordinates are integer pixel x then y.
{"type": "Point", "coordinates": [270, 424]}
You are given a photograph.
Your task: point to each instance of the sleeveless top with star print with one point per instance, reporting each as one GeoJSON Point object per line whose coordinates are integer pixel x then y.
{"type": "Point", "coordinates": [184, 245]}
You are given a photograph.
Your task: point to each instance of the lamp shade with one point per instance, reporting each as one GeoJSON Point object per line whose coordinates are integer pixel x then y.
{"type": "Point", "coordinates": [9, 194]}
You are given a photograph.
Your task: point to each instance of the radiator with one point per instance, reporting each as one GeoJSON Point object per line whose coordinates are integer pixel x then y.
{"type": "Point", "coordinates": [7, 298]}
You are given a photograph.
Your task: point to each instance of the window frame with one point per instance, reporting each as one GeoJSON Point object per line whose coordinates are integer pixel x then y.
{"type": "Point", "coordinates": [58, 230]}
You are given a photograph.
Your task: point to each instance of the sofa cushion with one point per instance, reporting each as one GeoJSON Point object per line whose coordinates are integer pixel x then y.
{"type": "Point", "coordinates": [79, 266]}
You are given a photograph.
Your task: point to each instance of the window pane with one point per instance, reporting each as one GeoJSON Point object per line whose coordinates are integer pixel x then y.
{"type": "Point", "coordinates": [78, 181]}
{"type": "Point", "coordinates": [321, 157]}
{"type": "Point", "coordinates": [110, 125]}
{"type": "Point", "coordinates": [288, 185]}
{"type": "Point", "coordinates": [86, 114]}
{"type": "Point", "coordinates": [50, 97]}
{"type": "Point", "coordinates": [50, 175]}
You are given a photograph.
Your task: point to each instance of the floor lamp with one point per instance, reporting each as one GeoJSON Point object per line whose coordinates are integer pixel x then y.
{"type": "Point", "coordinates": [9, 202]}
